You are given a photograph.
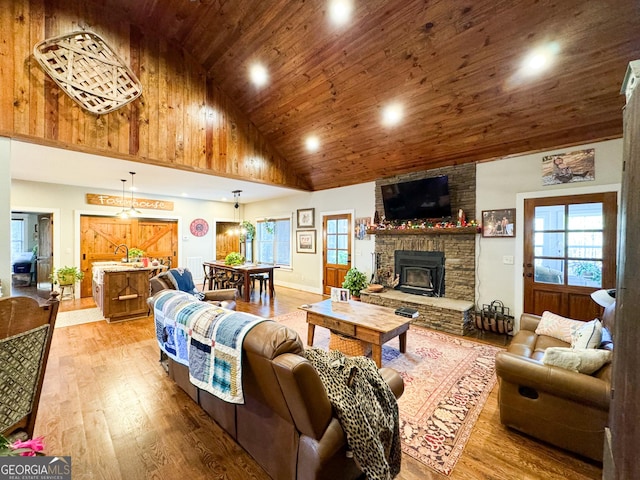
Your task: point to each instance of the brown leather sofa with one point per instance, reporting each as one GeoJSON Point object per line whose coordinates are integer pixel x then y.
{"type": "Point", "coordinates": [564, 408]}
{"type": "Point", "coordinates": [286, 423]}
{"type": "Point", "coordinates": [225, 297]}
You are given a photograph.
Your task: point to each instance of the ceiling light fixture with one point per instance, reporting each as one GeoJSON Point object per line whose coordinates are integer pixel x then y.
{"type": "Point", "coordinates": [540, 59]}
{"type": "Point", "coordinates": [392, 114]}
{"type": "Point", "coordinates": [340, 11]}
{"type": "Point", "coordinates": [123, 213]}
{"type": "Point", "coordinates": [133, 211]}
{"type": "Point", "coordinates": [258, 74]}
{"type": "Point", "coordinates": [238, 229]}
{"type": "Point", "coordinates": [312, 143]}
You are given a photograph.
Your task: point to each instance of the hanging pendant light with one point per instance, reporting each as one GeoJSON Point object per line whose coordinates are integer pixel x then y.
{"type": "Point", "coordinates": [132, 210]}
{"type": "Point", "coordinates": [238, 229]}
{"type": "Point", "coordinates": [123, 213]}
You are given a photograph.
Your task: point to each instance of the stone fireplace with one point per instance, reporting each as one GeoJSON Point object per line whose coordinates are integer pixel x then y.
{"type": "Point", "coordinates": [420, 273]}
{"type": "Point", "coordinates": [459, 250]}
{"type": "Point", "coordinates": [454, 250]}
{"type": "Point", "coordinates": [458, 253]}
{"type": "Point", "coordinates": [451, 260]}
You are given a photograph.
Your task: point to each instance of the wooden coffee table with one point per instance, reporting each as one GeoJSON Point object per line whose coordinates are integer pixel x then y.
{"type": "Point", "coordinates": [370, 323]}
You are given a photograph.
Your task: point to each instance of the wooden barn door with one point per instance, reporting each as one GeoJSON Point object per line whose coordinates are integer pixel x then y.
{"type": "Point", "coordinates": [99, 237]}
{"type": "Point", "coordinates": [225, 243]}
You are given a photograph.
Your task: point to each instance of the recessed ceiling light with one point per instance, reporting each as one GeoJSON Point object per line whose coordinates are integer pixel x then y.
{"type": "Point", "coordinates": [258, 74]}
{"type": "Point", "coordinates": [340, 11]}
{"type": "Point", "coordinates": [540, 59]}
{"type": "Point", "coordinates": [392, 114]}
{"type": "Point", "coordinates": [184, 194]}
{"type": "Point", "coordinates": [313, 143]}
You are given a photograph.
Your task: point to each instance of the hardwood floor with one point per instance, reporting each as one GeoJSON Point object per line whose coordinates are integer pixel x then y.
{"type": "Point", "coordinates": [108, 404]}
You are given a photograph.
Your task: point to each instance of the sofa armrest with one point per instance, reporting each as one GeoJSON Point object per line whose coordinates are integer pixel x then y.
{"type": "Point", "coordinates": [221, 294]}
{"type": "Point", "coordinates": [304, 393]}
{"type": "Point", "coordinates": [529, 322]}
{"type": "Point", "coordinates": [394, 380]}
{"type": "Point", "coordinates": [557, 381]}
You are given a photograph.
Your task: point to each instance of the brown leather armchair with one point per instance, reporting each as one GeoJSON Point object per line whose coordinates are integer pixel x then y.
{"type": "Point", "coordinates": [287, 423]}
{"type": "Point", "coordinates": [559, 406]}
{"type": "Point", "coordinates": [225, 298]}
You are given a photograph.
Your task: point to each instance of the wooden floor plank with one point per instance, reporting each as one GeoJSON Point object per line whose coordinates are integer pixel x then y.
{"type": "Point", "coordinates": [108, 403]}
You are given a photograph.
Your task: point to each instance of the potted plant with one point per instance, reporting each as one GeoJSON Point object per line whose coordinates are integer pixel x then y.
{"type": "Point", "coordinates": [234, 258]}
{"type": "Point", "coordinates": [249, 229]}
{"type": "Point", "coordinates": [67, 275]}
{"type": "Point", "coordinates": [136, 253]}
{"type": "Point", "coordinates": [355, 281]}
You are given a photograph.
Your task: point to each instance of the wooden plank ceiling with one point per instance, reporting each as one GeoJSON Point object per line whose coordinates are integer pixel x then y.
{"type": "Point", "coordinates": [453, 65]}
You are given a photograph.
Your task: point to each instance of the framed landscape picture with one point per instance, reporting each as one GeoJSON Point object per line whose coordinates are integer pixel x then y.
{"type": "Point", "coordinates": [306, 217]}
{"type": "Point", "coordinates": [306, 241]}
{"type": "Point", "coordinates": [499, 223]}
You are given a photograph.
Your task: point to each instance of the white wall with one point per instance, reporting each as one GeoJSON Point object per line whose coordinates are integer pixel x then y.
{"type": "Point", "coordinates": [306, 271]}
{"type": "Point", "coordinates": [5, 216]}
{"type": "Point", "coordinates": [506, 183]}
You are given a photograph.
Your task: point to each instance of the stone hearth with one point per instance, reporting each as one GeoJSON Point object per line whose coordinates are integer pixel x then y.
{"type": "Point", "coordinates": [451, 316]}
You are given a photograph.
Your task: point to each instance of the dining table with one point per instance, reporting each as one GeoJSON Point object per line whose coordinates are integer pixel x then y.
{"type": "Point", "coordinates": [245, 269]}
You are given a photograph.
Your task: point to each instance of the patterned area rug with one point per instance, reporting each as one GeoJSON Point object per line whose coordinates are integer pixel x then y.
{"type": "Point", "coordinates": [447, 381]}
{"type": "Point", "coordinates": [77, 317]}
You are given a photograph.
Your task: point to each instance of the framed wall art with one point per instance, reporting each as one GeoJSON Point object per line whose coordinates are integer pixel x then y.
{"type": "Point", "coordinates": [360, 228]}
{"type": "Point", "coordinates": [306, 217]}
{"type": "Point", "coordinates": [306, 241]}
{"type": "Point", "coordinates": [578, 166]}
{"type": "Point", "coordinates": [499, 223]}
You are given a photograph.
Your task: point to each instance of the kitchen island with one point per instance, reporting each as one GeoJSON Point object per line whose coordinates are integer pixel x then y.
{"type": "Point", "coordinates": [120, 290]}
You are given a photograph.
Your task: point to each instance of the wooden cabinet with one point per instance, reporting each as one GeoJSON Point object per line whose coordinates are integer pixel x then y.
{"type": "Point", "coordinates": [622, 436]}
{"type": "Point", "coordinates": [123, 294]}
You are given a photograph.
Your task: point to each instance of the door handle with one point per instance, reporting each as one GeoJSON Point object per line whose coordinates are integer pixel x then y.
{"type": "Point", "coordinates": [529, 275]}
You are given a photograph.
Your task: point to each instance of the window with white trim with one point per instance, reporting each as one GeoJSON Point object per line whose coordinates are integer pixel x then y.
{"type": "Point", "coordinates": [17, 236]}
{"type": "Point", "coordinates": [274, 241]}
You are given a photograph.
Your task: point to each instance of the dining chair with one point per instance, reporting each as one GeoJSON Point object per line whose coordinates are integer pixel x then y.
{"type": "Point", "coordinates": [209, 276]}
{"type": "Point", "coordinates": [26, 330]}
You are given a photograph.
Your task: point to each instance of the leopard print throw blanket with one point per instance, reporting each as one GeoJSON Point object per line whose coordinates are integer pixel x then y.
{"type": "Point", "coordinates": [366, 409]}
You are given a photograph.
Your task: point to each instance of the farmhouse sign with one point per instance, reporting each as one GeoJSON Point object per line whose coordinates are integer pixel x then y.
{"type": "Point", "coordinates": [114, 201]}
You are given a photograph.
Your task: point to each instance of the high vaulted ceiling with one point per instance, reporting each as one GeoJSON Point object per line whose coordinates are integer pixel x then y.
{"type": "Point", "coordinates": [454, 65]}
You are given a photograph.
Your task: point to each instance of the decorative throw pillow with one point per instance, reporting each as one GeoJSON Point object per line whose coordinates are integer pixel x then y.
{"type": "Point", "coordinates": [558, 327]}
{"type": "Point", "coordinates": [606, 342]}
{"type": "Point", "coordinates": [587, 336]}
{"type": "Point", "coordinates": [588, 360]}
{"type": "Point", "coordinates": [182, 279]}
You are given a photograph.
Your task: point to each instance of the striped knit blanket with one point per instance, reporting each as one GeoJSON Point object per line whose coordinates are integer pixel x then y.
{"type": "Point", "coordinates": [205, 338]}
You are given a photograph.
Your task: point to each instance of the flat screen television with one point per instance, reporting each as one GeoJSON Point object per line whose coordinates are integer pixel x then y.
{"type": "Point", "coordinates": [417, 199]}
